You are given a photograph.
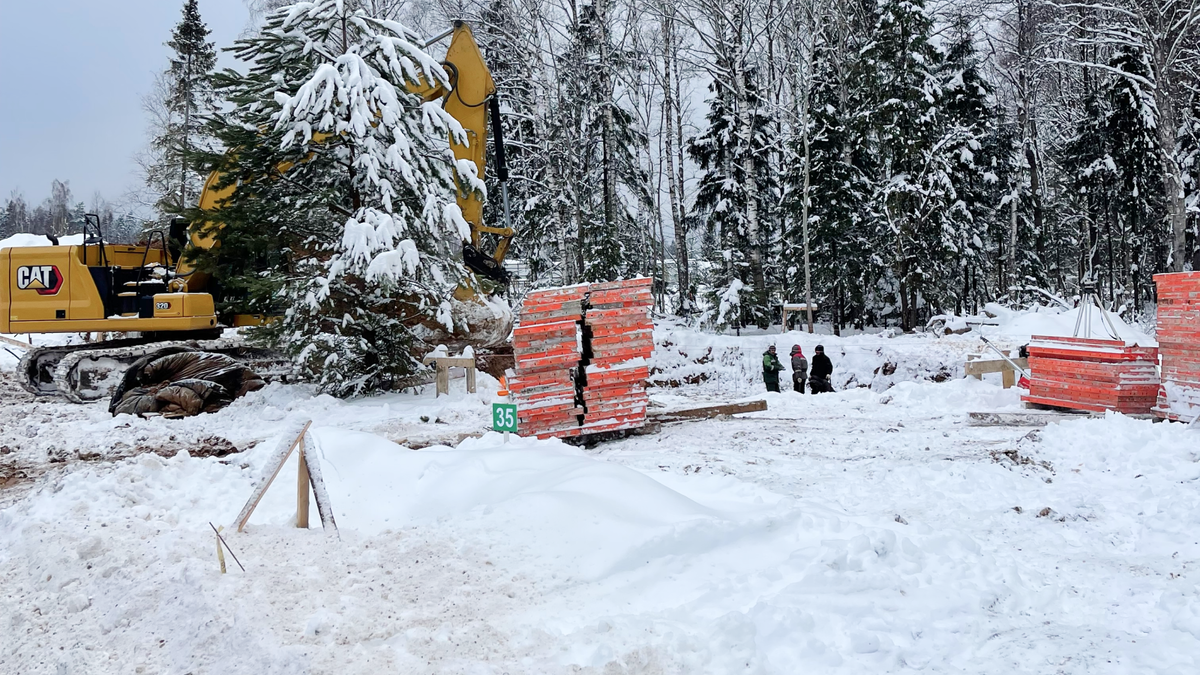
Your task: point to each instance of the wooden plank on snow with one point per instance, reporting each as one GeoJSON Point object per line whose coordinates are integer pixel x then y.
{"type": "Point", "coordinates": [708, 412]}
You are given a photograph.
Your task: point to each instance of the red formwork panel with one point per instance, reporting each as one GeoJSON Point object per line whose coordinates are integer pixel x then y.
{"type": "Point", "coordinates": [1178, 333]}
{"type": "Point", "coordinates": [568, 382]}
{"type": "Point", "coordinates": [622, 338]}
{"type": "Point", "coordinates": [1091, 374]}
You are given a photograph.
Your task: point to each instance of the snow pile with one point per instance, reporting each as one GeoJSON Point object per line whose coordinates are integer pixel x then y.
{"type": "Point", "coordinates": [726, 365]}
{"type": "Point", "coordinates": [621, 554]}
{"type": "Point", "coordinates": [23, 239]}
{"type": "Point", "coordinates": [861, 531]}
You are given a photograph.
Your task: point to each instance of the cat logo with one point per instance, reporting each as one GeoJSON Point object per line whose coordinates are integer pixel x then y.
{"type": "Point", "coordinates": [45, 279]}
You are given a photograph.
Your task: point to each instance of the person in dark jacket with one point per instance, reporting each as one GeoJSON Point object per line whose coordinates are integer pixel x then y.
{"type": "Point", "coordinates": [771, 368]}
{"type": "Point", "coordinates": [799, 369]}
{"type": "Point", "coordinates": [822, 369]}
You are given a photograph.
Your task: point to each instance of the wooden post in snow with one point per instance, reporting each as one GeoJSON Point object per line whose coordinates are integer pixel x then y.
{"type": "Point", "coordinates": [282, 451]}
{"type": "Point", "coordinates": [308, 474]}
{"type": "Point", "coordinates": [302, 488]}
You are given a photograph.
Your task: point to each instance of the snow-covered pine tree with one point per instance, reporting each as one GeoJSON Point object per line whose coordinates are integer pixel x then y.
{"type": "Point", "coordinates": [344, 211]}
{"type": "Point", "coordinates": [838, 241]}
{"type": "Point", "coordinates": [509, 45]}
{"type": "Point", "coordinates": [188, 97]}
{"type": "Point", "coordinates": [1090, 176]}
{"type": "Point", "coordinates": [722, 205]}
{"type": "Point", "coordinates": [14, 217]}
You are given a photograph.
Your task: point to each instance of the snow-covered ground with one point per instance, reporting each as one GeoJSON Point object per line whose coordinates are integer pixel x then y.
{"type": "Point", "coordinates": [866, 531]}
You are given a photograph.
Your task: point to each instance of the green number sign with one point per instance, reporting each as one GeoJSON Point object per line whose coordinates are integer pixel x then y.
{"type": "Point", "coordinates": [504, 417]}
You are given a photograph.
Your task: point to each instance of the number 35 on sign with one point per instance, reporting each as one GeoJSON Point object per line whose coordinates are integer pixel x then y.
{"type": "Point", "coordinates": [504, 417]}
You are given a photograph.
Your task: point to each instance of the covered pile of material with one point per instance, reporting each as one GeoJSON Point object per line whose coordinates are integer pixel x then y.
{"type": "Point", "coordinates": [180, 382]}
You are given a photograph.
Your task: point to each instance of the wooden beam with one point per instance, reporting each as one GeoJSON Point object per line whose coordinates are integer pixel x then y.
{"type": "Point", "coordinates": [1018, 419]}
{"type": "Point", "coordinates": [317, 480]}
{"type": "Point", "coordinates": [282, 451]}
{"type": "Point", "coordinates": [707, 412]}
{"type": "Point", "coordinates": [451, 361]}
{"type": "Point", "coordinates": [980, 367]}
{"type": "Point", "coordinates": [15, 343]}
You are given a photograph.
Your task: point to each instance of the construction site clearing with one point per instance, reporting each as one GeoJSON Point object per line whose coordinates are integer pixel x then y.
{"type": "Point", "coordinates": [440, 534]}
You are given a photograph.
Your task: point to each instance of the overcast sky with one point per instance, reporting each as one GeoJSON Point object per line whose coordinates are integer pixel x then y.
{"type": "Point", "coordinates": [72, 77]}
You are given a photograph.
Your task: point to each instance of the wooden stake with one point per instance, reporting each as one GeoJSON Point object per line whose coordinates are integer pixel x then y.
{"type": "Point", "coordinates": [302, 488]}
{"type": "Point", "coordinates": [222, 540]}
{"type": "Point", "coordinates": [220, 551]}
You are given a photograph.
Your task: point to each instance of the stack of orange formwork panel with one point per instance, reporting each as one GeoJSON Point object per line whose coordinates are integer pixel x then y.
{"type": "Point", "coordinates": [547, 353]}
{"type": "Point", "coordinates": [1095, 375]}
{"type": "Point", "coordinates": [619, 335]}
{"type": "Point", "coordinates": [1179, 344]}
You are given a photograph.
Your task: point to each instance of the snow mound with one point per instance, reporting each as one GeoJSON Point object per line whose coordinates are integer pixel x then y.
{"type": "Point", "coordinates": [1056, 321]}
{"type": "Point", "coordinates": [721, 366]}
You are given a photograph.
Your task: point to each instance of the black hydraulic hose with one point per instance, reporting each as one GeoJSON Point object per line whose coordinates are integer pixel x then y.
{"type": "Point", "coordinates": [498, 138]}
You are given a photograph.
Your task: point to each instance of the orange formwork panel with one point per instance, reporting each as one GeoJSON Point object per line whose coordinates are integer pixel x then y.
{"type": "Point", "coordinates": [1091, 374]}
{"type": "Point", "coordinates": [579, 356]}
{"type": "Point", "coordinates": [1178, 333]}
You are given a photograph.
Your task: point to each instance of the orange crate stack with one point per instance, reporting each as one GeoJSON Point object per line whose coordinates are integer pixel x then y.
{"type": "Point", "coordinates": [1178, 336]}
{"type": "Point", "coordinates": [620, 337]}
{"type": "Point", "coordinates": [547, 352]}
{"type": "Point", "coordinates": [1089, 374]}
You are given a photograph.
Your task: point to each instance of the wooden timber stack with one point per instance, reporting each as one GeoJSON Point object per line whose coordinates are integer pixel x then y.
{"type": "Point", "coordinates": [580, 357]}
{"type": "Point", "coordinates": [619, 338]}
{"type": "Point", "coordinates": [1095, 375]}
{"type": "Point", "coordinates": [1178, 335]}
{"type": "Point", "coordinates": [547, 352]}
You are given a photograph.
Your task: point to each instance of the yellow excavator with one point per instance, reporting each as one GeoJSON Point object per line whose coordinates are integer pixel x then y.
{"type": "Point", "coordinates": [154, 296]}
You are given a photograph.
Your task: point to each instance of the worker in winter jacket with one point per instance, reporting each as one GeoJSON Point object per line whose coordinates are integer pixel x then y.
{"type": "Point", "coordinates": [799, 369]}
{"type": "Point", "coordinates": [822, 369]}
{"type": "Point", "coordinates": [771, 368]}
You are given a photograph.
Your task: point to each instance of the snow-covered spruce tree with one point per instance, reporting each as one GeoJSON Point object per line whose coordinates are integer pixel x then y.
{"type": "Point", "coordinates": [508, 42]}
{"type": "Point", "coordinates": [344, 212]}
{"type": "Point", "coordinates": [721, 205]}
{"type": "Point", "coordinates": [1090, 177]}
{"type": "Point", "coordinates": [1140, 249]}
{"type": "Point", "coordinates": [914, 234]}
{"type": "Point", "coordinates": [839, 193]}
{"type": "Point", "coordinates": [187, 96]}
{"type": "Point", "coordinates": [597, 147]}
{"type": "Point", "coordinates": [970, 126]}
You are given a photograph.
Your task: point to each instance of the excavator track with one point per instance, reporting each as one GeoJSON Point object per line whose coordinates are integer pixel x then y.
{"type": "Point", "coordinates": [90, 372]}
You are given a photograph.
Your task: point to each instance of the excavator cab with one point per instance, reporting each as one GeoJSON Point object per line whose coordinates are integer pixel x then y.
{"type": "Point", "coordinates": [97, 286]}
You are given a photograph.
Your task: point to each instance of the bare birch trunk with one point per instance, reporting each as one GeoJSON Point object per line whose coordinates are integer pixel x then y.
{"type": "Point", "coordinates": [1168, 130]}
{"type": "Point", "coordinates": [746, 132]}
{"type": "Point", "coordinates": [674, 180]}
